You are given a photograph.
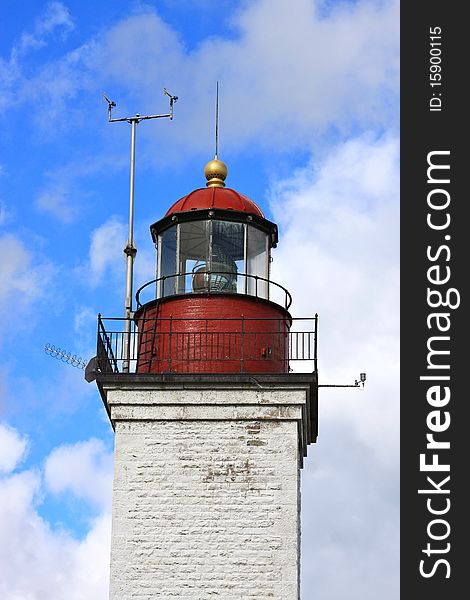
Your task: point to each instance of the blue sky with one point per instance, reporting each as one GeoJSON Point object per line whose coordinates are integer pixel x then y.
{"type": "Point", "coordinates": [309, 130]}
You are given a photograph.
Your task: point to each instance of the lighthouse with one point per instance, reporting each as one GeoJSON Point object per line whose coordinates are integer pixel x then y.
{"type": "Point", "coordinates": [211, 389]}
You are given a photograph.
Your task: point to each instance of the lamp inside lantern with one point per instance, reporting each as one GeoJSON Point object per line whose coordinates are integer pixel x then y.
{"type": "Point", "coordinates": [222, 276]}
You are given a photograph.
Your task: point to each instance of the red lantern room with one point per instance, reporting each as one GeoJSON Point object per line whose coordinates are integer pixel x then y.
{"type": "Point", "coordinates": [212, 307]}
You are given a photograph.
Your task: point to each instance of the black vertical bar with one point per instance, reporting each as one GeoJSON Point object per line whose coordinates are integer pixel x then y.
{"type": "Point", "coordinates": [254, 349]}
{"type": "Point", "coordinates": [170, 343]}
{"type": "Point", "coordinates": [309, 342]}
{"type": "Point", "coordinates": [434, 275]}
{"type": "Point", "coordinates": [315, 342]}
{"type": "Point", "coordinates": [100, 327]}
{"type": "Point", "coordinates": [153, 344]}
{"type": "Point", "coordinates": [242, 361]}
{"type": "Point", "coordinates": [163, 338]}
{"type": "Point", "coordinates": [133, 355]}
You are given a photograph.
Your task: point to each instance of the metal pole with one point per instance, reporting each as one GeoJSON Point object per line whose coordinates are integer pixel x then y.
{"type": "Point", "coordinates": [353, 385]}
{"type": "Point", "coordinates": [130, 251]}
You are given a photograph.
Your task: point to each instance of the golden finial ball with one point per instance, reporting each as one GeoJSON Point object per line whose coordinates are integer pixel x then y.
{"type": "Point", "coordinates": [215, 172]}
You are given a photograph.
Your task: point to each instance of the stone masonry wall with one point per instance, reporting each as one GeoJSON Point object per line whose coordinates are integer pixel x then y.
{"type": "Point", "coordinates": [205, 509]}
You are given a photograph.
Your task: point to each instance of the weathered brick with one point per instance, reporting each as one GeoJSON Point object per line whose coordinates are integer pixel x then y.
{"type": "Point", "coordinates": [206, 495]}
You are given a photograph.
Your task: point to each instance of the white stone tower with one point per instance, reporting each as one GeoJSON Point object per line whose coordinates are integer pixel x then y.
{"type": "Point", "coordinates": [211, 423]}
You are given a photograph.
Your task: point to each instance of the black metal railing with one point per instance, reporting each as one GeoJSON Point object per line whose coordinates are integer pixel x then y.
{"type": "Point", "coordinates": [209, 282]}
{"type": "Point", "coordinates": [169, 345]}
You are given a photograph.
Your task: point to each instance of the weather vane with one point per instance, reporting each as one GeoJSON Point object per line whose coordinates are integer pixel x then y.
{"type": "Point", "coordinates": [130, 250]}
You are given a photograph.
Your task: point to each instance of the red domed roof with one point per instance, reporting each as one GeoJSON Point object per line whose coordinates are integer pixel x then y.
{"type": "Point", "coordinates": [215, 197]}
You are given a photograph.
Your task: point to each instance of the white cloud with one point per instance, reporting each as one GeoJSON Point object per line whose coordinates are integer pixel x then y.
{"type": "Point", "coordinates": [287, 74]}
{"type": "Point", "coordinates": [56, 17]}
{"type": "Point", "coordinates": [83, 469]}
{"type": "Point", "coordinates": [106, 250]}
{"type": "Point", "coordinates": [13, 448]}
{"type": "Point", "coordinates": [15, 270]}
{"type": "Point", "coordinates": [350, 518]}
{"type": "Point", "coordinates": [58, 565]}
{"type": "Point", "coordinates": [63, 194]}
{"type": "Point", "coordinates": [91, 564]}
{"type": "Point", "coordinates": [23, 275]}
{"type": "Point", "coordinates": [4, 212]}
{"type": "Point", "coordinates": [84, 318]}
{"type": "Point", "coordinates": [338, 255]}
{"type": "Point", "coordinates": [85, 322]}
{"type": "Point", "coordinates": [59, 203]}
{"type": "Point", "coordinates": [106, 256]}
{"type": "Point", "coordinates": [3, 388]}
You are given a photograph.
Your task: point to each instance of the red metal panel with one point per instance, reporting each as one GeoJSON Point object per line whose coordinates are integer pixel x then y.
{"type": "Point", "coordinates": [213, 334]}
{"type": "Point", "coordinates": [215, 197]}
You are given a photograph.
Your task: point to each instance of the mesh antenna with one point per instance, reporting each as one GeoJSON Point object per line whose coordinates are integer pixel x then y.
{"type": "Point", "coordinates": [65, 356]}
{"type": "Point", "coordinates": [90, 366]}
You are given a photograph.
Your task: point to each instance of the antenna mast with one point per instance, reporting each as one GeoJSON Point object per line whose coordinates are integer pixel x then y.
{"type": "Point", "coordinates": [130, 250]}
{"type": "Point", "coordinates": [217, 122]}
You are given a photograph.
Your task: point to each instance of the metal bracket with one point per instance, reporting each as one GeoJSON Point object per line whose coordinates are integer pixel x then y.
{"type": "Point", "coordinates": [356, 384]}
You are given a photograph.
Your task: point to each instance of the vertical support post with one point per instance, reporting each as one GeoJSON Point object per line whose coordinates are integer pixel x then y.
{"type": "Point", "coordinates": [130, 252]}
{"type": "Point", "coordinates": [130, 249]}
{"type": "Point", "coordinates": [315, 344]}
{"type": "Point", "coordinates": [159, 268]}
{"type": "Point", "coordinates": [245, 254]}
{"type": "Point", "coordinates": [99, 341]}
{"type": "Point", "coordinates": [267, 283]}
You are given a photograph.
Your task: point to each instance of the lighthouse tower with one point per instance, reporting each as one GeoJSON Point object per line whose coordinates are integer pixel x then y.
{"type": "Point", "coordinates": [212, 394]}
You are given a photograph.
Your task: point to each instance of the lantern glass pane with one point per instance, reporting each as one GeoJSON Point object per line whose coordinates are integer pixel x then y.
{"type": "Point", "coordinates": [257, 262]}
{"type": "Point", "coordinates": [227, 256]}
{"type": "Point", "coordinates": [193, 255]}
{"type": "Point", "coordinates": [167, 262]}
{"type": "Point", "coordinates": [213, 255]}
